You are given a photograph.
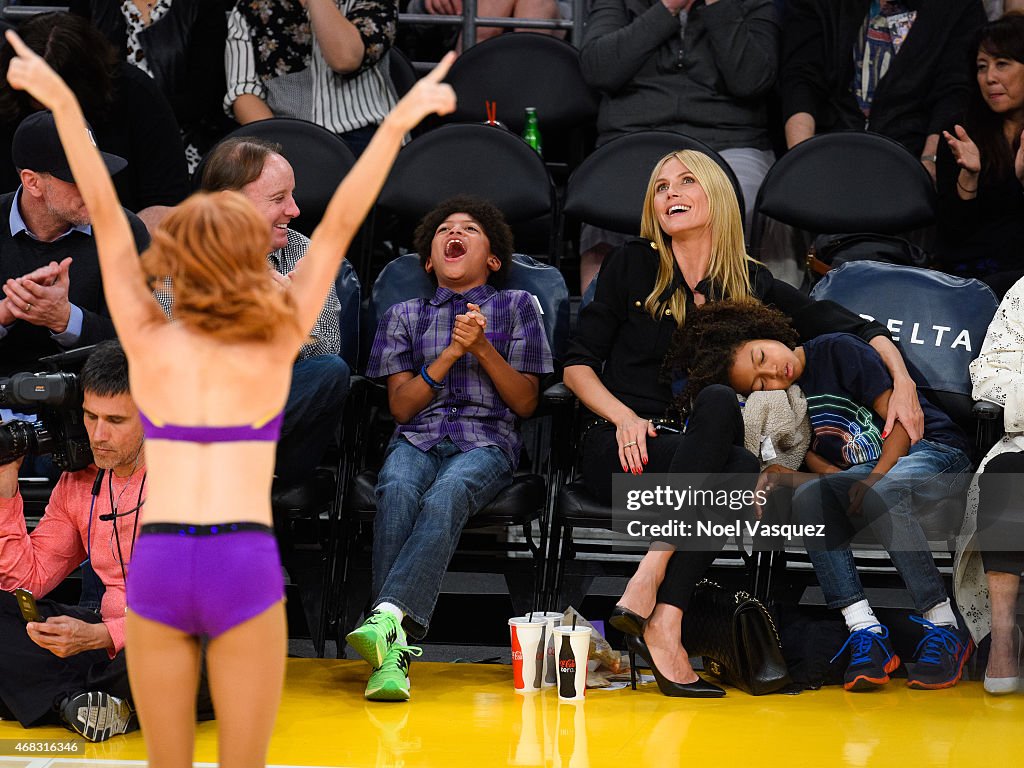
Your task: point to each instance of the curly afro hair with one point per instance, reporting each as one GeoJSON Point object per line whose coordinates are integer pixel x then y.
{"type": "Point", "coordinates": [705, 347]}
{"type": "Point", "coordinates": [486, 214]}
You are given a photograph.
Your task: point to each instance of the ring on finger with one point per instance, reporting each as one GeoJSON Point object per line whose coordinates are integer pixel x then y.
{"type": "Point", "coordinates": [28, 307]}
{"type": "Point", "coordinates": [629, 445]}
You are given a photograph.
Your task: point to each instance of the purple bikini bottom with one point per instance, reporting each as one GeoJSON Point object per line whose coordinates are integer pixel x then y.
{"type": "Point", "coordinates": [204, 579]}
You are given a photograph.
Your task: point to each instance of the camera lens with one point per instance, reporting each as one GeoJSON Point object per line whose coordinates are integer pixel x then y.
{"type": "Point", "coordinates": [16, 439]}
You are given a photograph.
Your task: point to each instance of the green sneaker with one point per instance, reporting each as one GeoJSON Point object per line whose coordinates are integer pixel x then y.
{"type": "Point", "coordinates": [390, 681]}
{"type": "Point", "coordinates": [374, 637]}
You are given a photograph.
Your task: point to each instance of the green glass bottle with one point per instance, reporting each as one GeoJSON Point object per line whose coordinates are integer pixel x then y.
{"type": "Point", "coordinates": [531, 131]}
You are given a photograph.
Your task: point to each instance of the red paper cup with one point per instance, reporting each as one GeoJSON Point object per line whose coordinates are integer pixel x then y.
{"type": "Point", "coordinates": [527, 652]}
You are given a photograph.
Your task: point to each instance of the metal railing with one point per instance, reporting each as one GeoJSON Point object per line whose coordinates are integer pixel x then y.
{"type": "Point", "coordinates": [16, 13]}
{"type": "Point", "coordinates": [469, 21]}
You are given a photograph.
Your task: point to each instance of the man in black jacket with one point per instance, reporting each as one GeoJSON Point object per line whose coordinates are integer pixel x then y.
{"type": "Point", "coordinates": [49, 271]}
{"type": "Point", "coordinates": [900, 70]}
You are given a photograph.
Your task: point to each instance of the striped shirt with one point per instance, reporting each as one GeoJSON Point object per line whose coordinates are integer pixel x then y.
{"type": "Point", "coordinates": [326, 333]}
{"type": "Point", "coordinates": [339, 103]}
{"type": "Point", "coordinates": [469, 409]}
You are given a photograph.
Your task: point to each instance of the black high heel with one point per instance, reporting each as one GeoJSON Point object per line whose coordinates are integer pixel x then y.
{"type": "Point", "coordinates": [699, 689]}
{"type": "Point", "coordinates": [627, 622]}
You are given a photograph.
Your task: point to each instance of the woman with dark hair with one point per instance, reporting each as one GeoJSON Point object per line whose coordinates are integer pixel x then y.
{"type": "Point", "coordinates": [180, 44]}
{"type": "Point", "coordinates": [129, 115]}
{"type": "Point", "coordinates": [210, 387]}
{"type": "Point", "coordinates": [691, 253]}
{"type": "Point", "coordinates": [981, 168]}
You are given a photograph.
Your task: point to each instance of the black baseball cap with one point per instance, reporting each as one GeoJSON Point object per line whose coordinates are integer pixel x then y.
{"type": "Point", "coordinates": [36, 147]}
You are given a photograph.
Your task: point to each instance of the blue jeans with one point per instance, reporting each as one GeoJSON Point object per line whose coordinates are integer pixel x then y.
{"type": "Point", "coordinates": [929, 472]}
{"type": "Point", "coordinates": [311, 415]}
{"type": "Point", "coordinates": [424, 499]}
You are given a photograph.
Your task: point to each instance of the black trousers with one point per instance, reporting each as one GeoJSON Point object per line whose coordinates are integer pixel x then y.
{"type": "Point", "coordinates": [33, 681]}
{"type": "Point", "coordinates": [712, 444]}
{"type": "Point", "coordinates": [1001, 513]}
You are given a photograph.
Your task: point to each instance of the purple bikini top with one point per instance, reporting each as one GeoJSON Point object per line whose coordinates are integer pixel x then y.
{"type": "Point", "coordinates": [268, 430]}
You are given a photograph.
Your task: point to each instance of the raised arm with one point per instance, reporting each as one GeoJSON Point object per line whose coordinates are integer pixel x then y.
{"type": "Point", "coordinates": [128, 298]}
{"type": "Point", "coordinates": [356, 193]}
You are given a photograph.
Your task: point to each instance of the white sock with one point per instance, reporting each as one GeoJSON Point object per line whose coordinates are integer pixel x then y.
{"type": "Point", "coordinates": [860, 616]}
{"type": "Point", "coordinates": [941, 615]}
{"type": "Point", "coordinates": [391, 608]}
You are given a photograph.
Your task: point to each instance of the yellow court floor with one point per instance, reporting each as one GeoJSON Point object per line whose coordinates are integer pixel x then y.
{"type": "Point", "coordinates": [468, 715]}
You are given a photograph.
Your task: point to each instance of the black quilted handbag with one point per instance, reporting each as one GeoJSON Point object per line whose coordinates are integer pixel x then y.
{"type": "Point", "coordinates": [737, 638]}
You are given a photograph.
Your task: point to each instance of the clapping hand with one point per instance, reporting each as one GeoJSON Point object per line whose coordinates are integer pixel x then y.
{"type": "Point", "coordinates": [964, 150]}
{"type": "Point", "coordinates": [41, 296]}
{"type": "Point", "coordinates": [469, 329]}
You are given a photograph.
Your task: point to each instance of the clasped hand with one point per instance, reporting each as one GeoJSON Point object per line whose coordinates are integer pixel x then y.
{"type": "Point", "coordinates": [40, 297]}
{"type": "Point", "coordinates": [468, 333]}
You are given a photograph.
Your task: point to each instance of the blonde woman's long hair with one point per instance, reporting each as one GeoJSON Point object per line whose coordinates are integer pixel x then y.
{"type": "Point", "coordinates": [729, 261]}
{"type": "Point", "coordinates": [213, 250]}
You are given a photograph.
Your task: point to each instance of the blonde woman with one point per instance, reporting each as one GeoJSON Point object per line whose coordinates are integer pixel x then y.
{"type": "Point", "coordinates": [691, 252]}
{"type": "Point", "coordinates": [210, 387]}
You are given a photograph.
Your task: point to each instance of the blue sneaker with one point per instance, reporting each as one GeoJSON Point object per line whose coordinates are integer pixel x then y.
{"type": "Point", "coordinates": [940, 656]}
{"type": "Point", "coordinates": [872, 659]}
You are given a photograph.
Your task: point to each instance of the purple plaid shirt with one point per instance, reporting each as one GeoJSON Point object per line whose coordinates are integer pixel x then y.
{"type": "Point", "coordinates": [468, 410]}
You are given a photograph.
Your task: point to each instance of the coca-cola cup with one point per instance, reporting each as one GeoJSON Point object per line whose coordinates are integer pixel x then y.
{"type": "Point", "coordinates": [553, 619]}
{"type": "Point", "coordinates": [572, 649]}
{"type": "Point", "coordinates": [527, 652]}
